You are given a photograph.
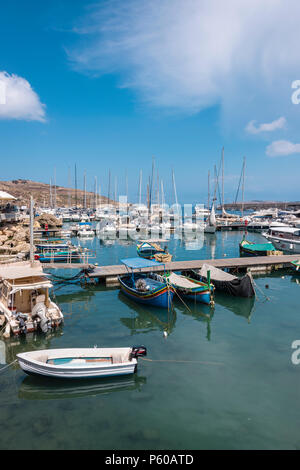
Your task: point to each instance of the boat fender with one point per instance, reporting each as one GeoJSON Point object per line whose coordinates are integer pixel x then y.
{"type": "Point", "coordinates": [138, 351]}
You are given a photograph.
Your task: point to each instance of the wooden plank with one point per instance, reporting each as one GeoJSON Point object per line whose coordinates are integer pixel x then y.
{"type": "Point", "coordinates": [244, 262]}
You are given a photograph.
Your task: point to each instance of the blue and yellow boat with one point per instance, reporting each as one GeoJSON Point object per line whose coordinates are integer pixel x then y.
{"type": "Point", "coordinates": [143, 288]}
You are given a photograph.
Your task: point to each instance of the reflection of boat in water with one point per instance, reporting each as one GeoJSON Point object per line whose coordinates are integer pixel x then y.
{"type": "Point", "coordinates": [147, 319]}
{"type": "Point", "coordinates": [33, 388]}
{"type": "Point", "coordinates": [200, 312]}
{"type": "Point", "coordinates": [240, 306]}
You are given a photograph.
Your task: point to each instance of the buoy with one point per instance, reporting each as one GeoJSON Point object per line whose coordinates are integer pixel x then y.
{"type": "Point", "coordinates": [267, 286]}
{"type": "Point", "coordinates": [165, 334]}
{"type": "Point", "coordinates": [282, 277]}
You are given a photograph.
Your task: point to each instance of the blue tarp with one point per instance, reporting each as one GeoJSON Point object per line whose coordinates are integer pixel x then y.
{"type": "Point", "coordinates": [85, 223]}
{"type": "Point", "coordinates": [137, 263]}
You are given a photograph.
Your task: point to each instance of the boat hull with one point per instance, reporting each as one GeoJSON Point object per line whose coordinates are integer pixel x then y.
{"type": "Point", "coordinates": [87, 368]}
{"type": "Point", "coordinates": [161, 297]}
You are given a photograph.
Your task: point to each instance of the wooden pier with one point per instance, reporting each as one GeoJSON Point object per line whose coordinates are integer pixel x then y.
{"type": "Point", "coordinates": [256, 264]}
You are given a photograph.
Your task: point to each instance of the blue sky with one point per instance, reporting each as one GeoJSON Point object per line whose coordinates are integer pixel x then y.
{"type": "Point", "coordinates": [109, 85]}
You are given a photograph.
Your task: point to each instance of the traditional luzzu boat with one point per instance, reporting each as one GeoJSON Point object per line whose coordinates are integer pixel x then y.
{"type": "Point", "coordinates": [142, 287]}
{"type": "Point", "coordinates": [225, 282]}
{"type": "Point", "coordinates": [296, 265]}
{"type": "Point", "coordinates": [248, 248]}
{"type": "Point", "coordinates": [80, 363]}
{"type": "Point", "coordinates": [188, 288]}
{"type": "Point", "coordinates": [151, 249]}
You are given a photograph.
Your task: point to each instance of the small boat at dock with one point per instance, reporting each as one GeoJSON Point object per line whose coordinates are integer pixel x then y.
{"type": "Point", "coordinates": [24, 300]}
{"type": "Point", "coordinates": [81, 363]}
{"type": "Point", "coordinates": [248, 248]}
{"type": "Point", "coordinates": [296, 265]}
{"type": "Point", "coordinates": [141, 287]}
{"type": "Point", "coordinates": [225, 282]}
{"type": "Point", "coordinates": [149, 249]}
{"type": "Point", "coordinates": [188, 288]}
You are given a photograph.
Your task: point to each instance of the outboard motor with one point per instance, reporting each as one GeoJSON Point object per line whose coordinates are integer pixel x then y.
{"type": "Point", "coordinates": [138, 351]}
{"type": "Point", "coordinates": [40, 310]}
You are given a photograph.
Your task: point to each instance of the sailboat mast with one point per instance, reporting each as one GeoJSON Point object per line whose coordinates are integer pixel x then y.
{"type": "Point", "coordinates": [140, 188]}
{"type": "Point", "coordinates": [222, 180]}
{"type": "Point", "coordinates": [84, 189]}
{"type": "Point", "coordinates": [116, 192]}
{"type": "Point", "coordinates": [55, 188]}
{"type": "Point", "coordinates": [96, 199]}
{"type": "Point", "coordinates": [69, 187]}
{"type": "Point", "coordinates": [50, 193]}
{"type": "Point", "coordinates": [208, 201]}
{"type": "Point", "coordinates": [174, 186]}
{"type": "Point", "coordinates": [243, 186]}
{"type": "Point", "coordinates": [162, 193]}
{"type": "Point", "coordinates": [75, 186]}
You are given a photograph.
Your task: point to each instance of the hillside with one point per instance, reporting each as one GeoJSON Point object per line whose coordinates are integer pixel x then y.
{"type": "Point", "coordinates": [23, 189]}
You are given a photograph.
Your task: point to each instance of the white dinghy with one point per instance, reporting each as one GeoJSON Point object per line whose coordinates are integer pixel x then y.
{"type": "Point", "coordinates": [79, 363]}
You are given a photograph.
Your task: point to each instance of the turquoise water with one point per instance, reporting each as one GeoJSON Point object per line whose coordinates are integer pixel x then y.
{"type": "Point", "coordinates": [220, 379]}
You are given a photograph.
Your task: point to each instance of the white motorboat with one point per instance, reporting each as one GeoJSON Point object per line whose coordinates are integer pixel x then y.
{"type": "Point", "coordinates": [286, 239]}
{"type": "Point", "coordinates": [25, 301]}
{"type": "Point", "coordinates": [79, 363]}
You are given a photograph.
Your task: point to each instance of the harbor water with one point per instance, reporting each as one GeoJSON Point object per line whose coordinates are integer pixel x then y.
{"type": "Point", "coordinates": [214, 378]}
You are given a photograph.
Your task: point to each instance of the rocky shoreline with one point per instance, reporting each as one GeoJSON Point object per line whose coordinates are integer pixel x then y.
{"type": "Point", "coordinates": [15, 238]}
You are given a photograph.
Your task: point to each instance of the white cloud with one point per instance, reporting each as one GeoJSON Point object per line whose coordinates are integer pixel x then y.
{"type": "Point", "coordinates": [186, 55]}
{"type": "Point", "coordinates": [19, 100]}
{"type": "Point", "coordinates": [281, 148]}
{"type": "Point", "coordinates": [267, 127]}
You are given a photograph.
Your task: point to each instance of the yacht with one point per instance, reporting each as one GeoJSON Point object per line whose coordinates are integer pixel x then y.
{"type": "Point", "coordinates": [284, 238]}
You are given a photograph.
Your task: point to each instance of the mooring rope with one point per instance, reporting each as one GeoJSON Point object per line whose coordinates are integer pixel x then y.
{"type": "Point", "coordinates": [183, 361]}
{"type": "Point", "coordinates": [8, 365]}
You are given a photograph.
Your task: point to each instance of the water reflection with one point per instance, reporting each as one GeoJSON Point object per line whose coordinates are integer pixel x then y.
{"type": "Point", "coordinates": [147, 319]}
{"type": "Point", "coordinates": [42, 388]}
{"type": "Point", "coordinates": [240, 306]}
{"type": "Point", "coordinates": [200, 312]}
{"type": "Point", "coordinates": [29, 342]}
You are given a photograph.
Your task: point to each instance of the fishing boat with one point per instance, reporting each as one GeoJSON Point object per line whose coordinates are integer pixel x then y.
{"type": "Point", "coordinates": [56, 256]}
{"type": "Point", "coordinates": [80, 363]}
{"type": "Point", "coordinates": [54, 244]}
{"type": "Point", "coordinates": [296, 265]}
{"type": "Point", "coordinates": [248, 248]}
{"type": "Point", "coordinates": [148, 249]}
{"type": "Point", "coordinates": [142, 287]}
{"type": "Point", "coordinates": [25, 301]}
{"type": "Point", "coordinates": [225, 282]}
{"type": "Point", "coordinates": [188, 288]}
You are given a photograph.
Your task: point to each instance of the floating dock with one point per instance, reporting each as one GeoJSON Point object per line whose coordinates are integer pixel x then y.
{"type": "Point", "coordinates": [256, 264]}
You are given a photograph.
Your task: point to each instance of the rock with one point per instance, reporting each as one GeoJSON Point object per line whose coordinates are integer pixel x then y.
{"type": "Point", "coordinates": [3, 238]}
{"type": "Point", "coordinates": [25, 247]}
{"type": "Point", "coordinates": [50, 220]}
